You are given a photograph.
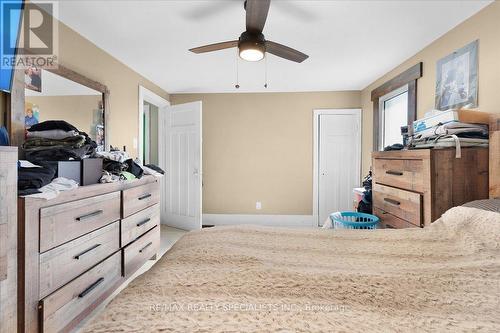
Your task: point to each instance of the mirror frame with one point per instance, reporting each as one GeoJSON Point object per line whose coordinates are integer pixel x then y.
{"type": "Point", "coordinates": [16, 102]}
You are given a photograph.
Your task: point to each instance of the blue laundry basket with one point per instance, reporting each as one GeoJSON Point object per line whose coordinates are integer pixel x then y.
{"type": "Point", "coordinates": [354, 220]}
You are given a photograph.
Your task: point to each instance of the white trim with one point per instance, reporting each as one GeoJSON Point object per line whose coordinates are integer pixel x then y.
{"type": "Point", "coordinates": [316, 113]}
{"type": "Point", "coordinates": [150, 97]}
{"type": "Point", "coordinates": [302, 221]}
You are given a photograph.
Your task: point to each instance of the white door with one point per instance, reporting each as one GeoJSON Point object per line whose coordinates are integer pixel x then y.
{"type": "Point", "coordinates": [180, 145]}
{"type": "Point", "coordinates": [339, 157]}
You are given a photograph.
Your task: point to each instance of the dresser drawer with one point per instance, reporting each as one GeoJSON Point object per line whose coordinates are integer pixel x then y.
{"type": "Point", "coordinates": [136, 225]}
{"type": "Point", "coordinates": [389, 221]}
{"type": "Point", "coordinates": [61, 308]}
{"type": "Point", "coordinates": [407, 174]}
{"type": "Point", "coordinates": [3, 251]}
{"type": "Point", "coordinates": [64, 222]}
{"type": "Point", "coordinates": [137, 198]}
{"type": "Point", "coordinates": [400, 203]}
{"type": "Point", "coordinates": [62, 264]}
{"type": "Point", "coordinates": [143, 249]}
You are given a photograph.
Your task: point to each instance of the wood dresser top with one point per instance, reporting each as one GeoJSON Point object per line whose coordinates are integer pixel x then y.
{"type": "Point", "coordinates": [88, 191]}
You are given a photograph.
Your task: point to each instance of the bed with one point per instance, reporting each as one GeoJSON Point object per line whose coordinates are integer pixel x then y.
{"type": "Point", "coordinates": [260, 279]}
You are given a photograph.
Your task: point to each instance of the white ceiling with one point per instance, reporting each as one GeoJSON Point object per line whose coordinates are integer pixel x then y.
{"type": "Point", "coordinates": [350, 43]}
{"type": "Point", "coordinates": [55, 85]}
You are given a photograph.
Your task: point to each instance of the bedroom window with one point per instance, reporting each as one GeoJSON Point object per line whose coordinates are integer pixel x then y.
{"type": "Point", "coordinates": [395, 105]}
{"type": "Point", "coordinates": [393, 113]}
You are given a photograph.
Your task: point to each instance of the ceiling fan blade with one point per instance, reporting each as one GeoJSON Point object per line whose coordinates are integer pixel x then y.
{"type": "Point", "coordinates": [215, 47]}
{"type": "Point", "coordinates": [257, 14]}
{"type": "Point", "coordinates": [285, 52]}
{"type": "Point", "coordinates": [208, 9]}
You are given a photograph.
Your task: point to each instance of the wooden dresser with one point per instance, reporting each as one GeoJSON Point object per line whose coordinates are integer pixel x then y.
{"type": "Point", "coordinates": [415, 187]}
{"type": "Point", "coordinates": [8, 239]}
{"type": "Point", "coordinates": [76, 249]}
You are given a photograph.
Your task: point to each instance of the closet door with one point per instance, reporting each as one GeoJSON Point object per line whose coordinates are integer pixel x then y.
{"type": "Point", "coordinates": [339, 161]}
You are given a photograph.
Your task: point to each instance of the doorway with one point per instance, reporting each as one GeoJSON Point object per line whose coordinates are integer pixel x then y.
{"type": "Point", "coordinates": [150, 134]}
{"type": "Point", "coordinates": [150, 107]}
{"type": "Point", "coordinates": [337, 161]}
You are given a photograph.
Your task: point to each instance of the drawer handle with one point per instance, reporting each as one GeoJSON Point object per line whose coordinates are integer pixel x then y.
{"type": "Point", "coordinates": [394, 173]}
{"type": "Point", "coordinates": [388, 226]}
{"type": "Point", "coordinates": [145, 196]}
{"type": "Point", "coordinates": [81, 254]}
{"type": "Point", "coordinates": [145, 247]}
{"type": "Point", "coordinates": [392, 202]}
{"type": "Point", "coordinates": [90, 288]}
{"type": "Point", "coordinates": [87, 216]}
{"type": "Point", "coordinates": [143, 222]}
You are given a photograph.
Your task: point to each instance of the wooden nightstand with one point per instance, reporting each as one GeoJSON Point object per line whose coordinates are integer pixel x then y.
{"type": "Point", "coordinates": [412, 188]}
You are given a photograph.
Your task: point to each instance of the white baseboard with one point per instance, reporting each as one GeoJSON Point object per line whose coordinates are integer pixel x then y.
{"type": "Point", "coordinates": [257, 219]}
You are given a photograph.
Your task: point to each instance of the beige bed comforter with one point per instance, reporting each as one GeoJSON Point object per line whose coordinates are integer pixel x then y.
{"type": "Point", "coordinates": [257, 279]}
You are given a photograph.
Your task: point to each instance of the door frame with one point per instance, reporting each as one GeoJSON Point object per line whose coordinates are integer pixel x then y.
{"type": "Point", "coordinates": [316, 117]}
{"type": "Point", "coordinates": [146, 95]}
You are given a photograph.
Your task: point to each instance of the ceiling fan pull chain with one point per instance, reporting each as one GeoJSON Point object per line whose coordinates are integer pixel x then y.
{"type": "Point", "coordinates": [237, 85]}
{"type": "Point", "coordinates": [265, 72]}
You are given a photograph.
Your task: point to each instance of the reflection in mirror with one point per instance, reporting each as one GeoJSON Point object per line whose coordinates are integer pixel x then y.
{"type": "Point", "coordinates": [53, 97]}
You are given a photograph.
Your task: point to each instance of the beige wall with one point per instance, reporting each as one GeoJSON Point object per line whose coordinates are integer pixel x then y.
{"type": "Point", "coordinates": [77, 110]}
{"type": "Point", "coordinates": [484, 26]}
{"type": "Point", "coordinates": [259, 147]}
{"type": "Point", "coordinates": [80, 55]}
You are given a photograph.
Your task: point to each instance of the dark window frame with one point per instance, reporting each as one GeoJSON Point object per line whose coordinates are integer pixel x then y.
{"type": "Point", "coordinates": [408, 77]}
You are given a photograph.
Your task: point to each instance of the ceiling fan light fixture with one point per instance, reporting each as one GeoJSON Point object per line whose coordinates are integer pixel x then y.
{"type": "Point", "coordinates": [252, 54]}
{"type": "Point", "coordinates": [252, 46]}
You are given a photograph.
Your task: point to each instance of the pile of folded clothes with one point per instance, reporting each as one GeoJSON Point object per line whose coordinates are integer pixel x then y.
{"type": "Point", "coordinates": [57, 140]}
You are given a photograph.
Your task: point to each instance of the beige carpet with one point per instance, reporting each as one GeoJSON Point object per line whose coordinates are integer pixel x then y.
{"type": "Point", "coordinates": [258, 279]}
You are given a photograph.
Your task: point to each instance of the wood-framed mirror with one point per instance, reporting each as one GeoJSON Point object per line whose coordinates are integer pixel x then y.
{"type": "Point", "coordinates": [63, 94]}
{"type": "Point", "coordinates": [41, 94]}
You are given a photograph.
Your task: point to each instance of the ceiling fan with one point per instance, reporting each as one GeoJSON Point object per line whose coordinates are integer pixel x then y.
{"type": "Point", "coordinates": [252, 44]}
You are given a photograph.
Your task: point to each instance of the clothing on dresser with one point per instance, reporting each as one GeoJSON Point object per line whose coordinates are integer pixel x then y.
{"type": "Point", "coordinates": [108, 177]}
{"type": "Point", "coordinates": [30, 180]}
{"type": "Point", "coordinates": [148, 171]}
{"type": "Point", "coordinates": [155, 168]}
{"type": "Point", "coordinates": [52, 190]}
{"type": "Point", "coordinates": [134, 168]}
{"type": "Point", "coordinates": [44, 143]}
{"type": "Point", "coordinates": [124, 175]}
{"type": "Point", "coordinates": [113, 165]}
{"type": "Point", "coordinates": [57, 140]}
{"type": "Point", "coordinates": [56, 154]}
{"type": "Point", "coordinates": [56, 134]}
{"type": "Point", "coordinates": [117, 155]}
{"type": "Point", "coordinates": [49, 125]}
